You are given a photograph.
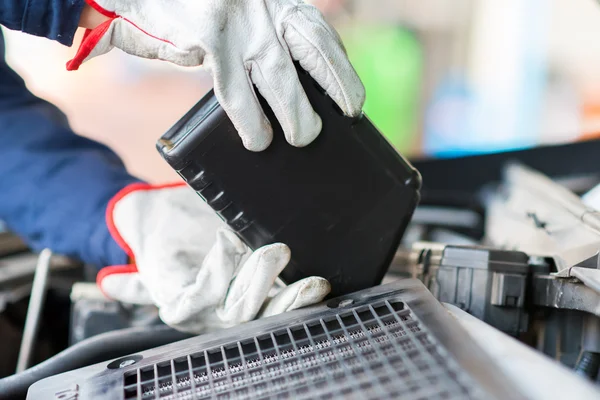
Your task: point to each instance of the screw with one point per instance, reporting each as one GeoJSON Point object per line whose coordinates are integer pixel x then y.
{"type": "Point", "coordinates": [346, 302]}
{"type": "Point", "coordinates": [126, 363]}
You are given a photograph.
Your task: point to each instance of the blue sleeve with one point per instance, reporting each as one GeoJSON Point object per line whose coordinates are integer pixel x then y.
{"type": "Point", "coordinates": [54, 184]}
{"type": "Point", "coordinates": [53, 19]}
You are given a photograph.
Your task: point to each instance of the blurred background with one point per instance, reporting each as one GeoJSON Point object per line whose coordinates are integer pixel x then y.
{"type": "Point", "coordinates": [443, 78]}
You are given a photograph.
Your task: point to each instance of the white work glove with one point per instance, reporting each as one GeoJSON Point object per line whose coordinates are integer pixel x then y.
{"type": "Point", "coordinates": [240, 43]}
{"type": "Point", "coordinates": [197, 283]}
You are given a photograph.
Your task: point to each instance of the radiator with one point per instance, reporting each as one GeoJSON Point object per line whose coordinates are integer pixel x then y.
{"type": "Point", "coordinates": [391, 341]}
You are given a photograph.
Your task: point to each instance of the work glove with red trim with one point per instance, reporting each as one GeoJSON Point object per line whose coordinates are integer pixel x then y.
{"type": "Point", "coordinates": [241, 43]}
{"type": "Point", "coordinates": [198, 273]}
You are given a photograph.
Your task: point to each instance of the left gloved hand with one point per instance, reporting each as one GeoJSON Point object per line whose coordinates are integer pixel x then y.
{"type": "Point", "coordinates": [198, 273]}
{"type": "Point", "coordinates": [242, 43]}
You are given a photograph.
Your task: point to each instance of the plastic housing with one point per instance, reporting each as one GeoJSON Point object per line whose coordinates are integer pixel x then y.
{"type": "Point", "coordinates": [341, 204]}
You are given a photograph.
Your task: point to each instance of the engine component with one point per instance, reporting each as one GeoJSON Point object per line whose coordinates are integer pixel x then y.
{"type": "Point", "coordinates": [36, 303]}
{"type": "Point", "coordinates": [588, 364]}
{"type": "Point", "coordinates": [92, 313]}
{"type": "Point", "coordinates": [390, 341]}
{"type": "Point", "coordinates": [487, 283]}
{"type": "Point", "coordinates": [340, 203]}
{"type": "Point", "coordinates": [10, 243]}
{"type": "Point", "coordinates": [49, 307]}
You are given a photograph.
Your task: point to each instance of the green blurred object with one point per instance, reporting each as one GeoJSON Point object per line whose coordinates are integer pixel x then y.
{"type": "Point", "coordinates": [388, 60]}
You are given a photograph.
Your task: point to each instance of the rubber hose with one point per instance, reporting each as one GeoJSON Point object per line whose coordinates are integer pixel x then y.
{"type": "Point", "coordinates": [96, 349]}
{"type": "Point", "coordinates": [588, 364]}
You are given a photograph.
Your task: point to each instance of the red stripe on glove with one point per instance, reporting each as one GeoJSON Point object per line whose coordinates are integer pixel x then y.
{"type": "Point", "coordinates": [113, 270]}
{"type": "Point", "coordinates": [148, 34]}
{"type": "Point", "coordinates": [110, 222]}
{"type": "Point", "coordinates": [101, 10]}
{"type": "Point", "coordinates": [112, 228]}
{"type": "Point", "coordinates": [113, 15]}
{"type": "Point", "coordinates": [91, 38]}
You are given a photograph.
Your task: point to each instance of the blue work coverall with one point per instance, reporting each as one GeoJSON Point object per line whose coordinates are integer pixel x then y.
{"type": "Point", "coordinates": [54, 184]}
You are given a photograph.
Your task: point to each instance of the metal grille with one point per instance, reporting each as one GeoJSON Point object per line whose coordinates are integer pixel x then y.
{"type": "Point", "coordinates": [372, 351]}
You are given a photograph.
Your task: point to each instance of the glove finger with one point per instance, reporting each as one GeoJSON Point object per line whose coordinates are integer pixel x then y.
{"type": "Point", "coordinates": [123, 283]}
{"type": "Point", "coordinates": [320, 52]}
{"type": "Point", "coordinates": [305, 292]}
{"type": "Point", "coordinates": [277, 80]}
{"type": "Point", "coordinates": [189, 308]}
{"type": "Point", "coordinates": [236, 95]}
{"type": "Point", "coordinates": [251, 286]}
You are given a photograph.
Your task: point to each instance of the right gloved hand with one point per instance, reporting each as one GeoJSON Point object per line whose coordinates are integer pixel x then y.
{"type": "Point", "coordinates": [241, 43]}
{"type": "Point", "coordinates": [197, 283]}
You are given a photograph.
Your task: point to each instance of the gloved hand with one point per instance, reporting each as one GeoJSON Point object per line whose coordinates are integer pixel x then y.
{"type": "Point", "coordinates": [240, 42]}
{"type": "Point", "coordinates": [197, 285]}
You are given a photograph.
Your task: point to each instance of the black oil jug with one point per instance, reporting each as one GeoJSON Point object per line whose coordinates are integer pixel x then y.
{"type": "Point", "coordinates": [341, 204]}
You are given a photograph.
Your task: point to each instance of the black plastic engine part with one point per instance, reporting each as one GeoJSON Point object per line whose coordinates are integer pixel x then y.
{"type": "Point", "coordinates": [341, 204]}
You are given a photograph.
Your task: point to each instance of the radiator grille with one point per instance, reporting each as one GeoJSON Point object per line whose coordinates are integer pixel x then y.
{"type": "Point", "coordinates": [376, 351]}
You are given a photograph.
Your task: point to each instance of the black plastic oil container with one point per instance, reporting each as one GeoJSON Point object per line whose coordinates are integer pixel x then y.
{"type": "Point", "coordinates": [341, 203]}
